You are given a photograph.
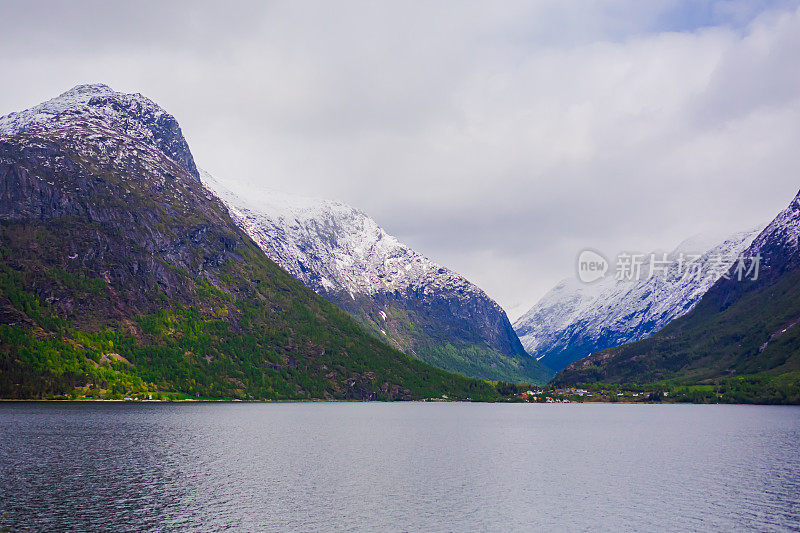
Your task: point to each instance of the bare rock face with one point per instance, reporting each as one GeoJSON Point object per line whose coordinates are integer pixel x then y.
{"type": "Point", "coordinates": [420, 307]}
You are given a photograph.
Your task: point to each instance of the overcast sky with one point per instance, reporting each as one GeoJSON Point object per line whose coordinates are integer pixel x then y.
{"type": "Point", "coordinates": [498, 138]}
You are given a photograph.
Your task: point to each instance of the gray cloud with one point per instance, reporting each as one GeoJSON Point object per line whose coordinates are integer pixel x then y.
{"type": "Point", "coordinates": [498, 139]}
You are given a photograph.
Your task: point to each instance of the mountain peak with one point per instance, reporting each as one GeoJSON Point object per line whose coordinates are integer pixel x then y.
{"type": "Point", "coordinates": [132, 115]}
{"type": "Point", "coordinates": [87, 89]}
{"type": "Point", "coordinates": [73, 100]}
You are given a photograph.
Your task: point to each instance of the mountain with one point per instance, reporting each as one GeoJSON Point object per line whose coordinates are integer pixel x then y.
{"type": "Point", "coordinates": [120, 274]}
{"type": "Point", "coordinates": [131, 115]}
{"type": "Point", "coordinates": [739, 330]}
{"type": "Point", "coordinates": [394, 292]}
{"type": "Point", "coordinates": [576, 319]}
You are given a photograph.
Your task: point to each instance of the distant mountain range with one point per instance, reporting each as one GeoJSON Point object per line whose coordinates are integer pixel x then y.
{"type": "Point", "coordinates": [745, 329]}
{"type": "Point", "coordinates": [394, 292]}
{"type": "Point", "coordinates": [576, 319]}
{"type": "Point", "coordinates": [120, 274]}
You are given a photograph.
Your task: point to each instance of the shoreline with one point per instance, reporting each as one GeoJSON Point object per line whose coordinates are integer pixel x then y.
{"type": "Point", "coordinates": [189, 401]}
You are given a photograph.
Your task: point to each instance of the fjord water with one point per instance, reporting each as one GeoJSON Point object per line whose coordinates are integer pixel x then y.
{"type": "Point", "coordinates": [398, 467]}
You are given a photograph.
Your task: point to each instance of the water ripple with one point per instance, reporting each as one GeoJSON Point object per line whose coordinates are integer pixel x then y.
{"type": "Point", "coordinates": [398, 467]}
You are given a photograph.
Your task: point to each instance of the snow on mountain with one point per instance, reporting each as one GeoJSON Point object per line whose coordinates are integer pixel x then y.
{"type": "Point", "coordinates": [783, 234]}
{"type": "Point", "coordinates": [331, 246]}
{"type": "Point", "coordinates": [576, 319]}
{"type": "Point", "coordinates": [742, 326]}
{"type": "Point", "coordinates": [420, 307]}
{"type": "Point", "coordinates": [101, 107]}
{"type": "Point", "coordinates": [71, 101]}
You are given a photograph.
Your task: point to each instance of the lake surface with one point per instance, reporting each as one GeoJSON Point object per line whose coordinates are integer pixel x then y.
{"type": "Point", "coordinates": [398, 467]}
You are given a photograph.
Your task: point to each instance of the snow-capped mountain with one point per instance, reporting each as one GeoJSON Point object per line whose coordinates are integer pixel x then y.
{"type": "Point", "coordinates": [420, 307]}
{"type": "Point", "coordinates": [576, 319]}
{"type": "Point", "coordinates": [101, 108]}
{"type": "Point", "coordinates": [331, 246]}
{"type": "Point", "coordinates": [740, 327]}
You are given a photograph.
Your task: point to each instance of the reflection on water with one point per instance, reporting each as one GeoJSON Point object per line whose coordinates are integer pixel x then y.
{"type": "Point", "coordinates": [398, 467]}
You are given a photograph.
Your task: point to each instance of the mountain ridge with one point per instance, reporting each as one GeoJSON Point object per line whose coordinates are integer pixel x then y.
{"type": "Point", "coordinates": [739, 330]}
{"type": "Point", "coordinates": [401, 296]}
{"type": "Point", "coordinates": [576, 319]}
